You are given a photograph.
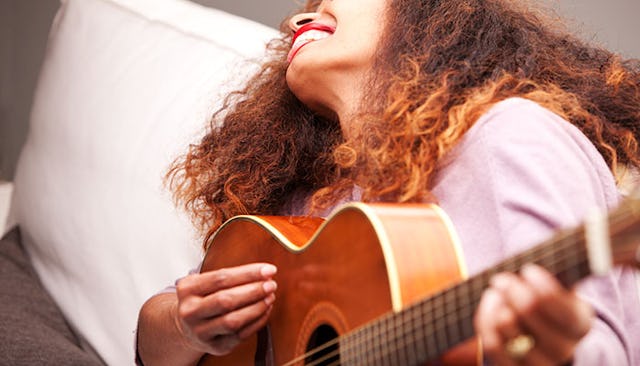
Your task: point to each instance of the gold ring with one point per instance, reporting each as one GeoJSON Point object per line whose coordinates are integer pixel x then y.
{"type": "Point", "coordinates": [519, 346]}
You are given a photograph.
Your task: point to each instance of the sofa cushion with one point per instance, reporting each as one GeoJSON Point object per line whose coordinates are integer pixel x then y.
{"type": "Point", "coordinates": [125, 86]}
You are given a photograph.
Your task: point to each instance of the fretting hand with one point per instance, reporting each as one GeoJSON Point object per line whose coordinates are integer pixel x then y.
{"type": "Point", "coordinates": [530, 319]}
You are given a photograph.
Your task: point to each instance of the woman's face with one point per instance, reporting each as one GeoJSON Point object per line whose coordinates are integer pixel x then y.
{"type": "Point", "coordinates": [333, 52]}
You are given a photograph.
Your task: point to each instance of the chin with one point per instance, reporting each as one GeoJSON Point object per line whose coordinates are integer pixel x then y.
{"type": "Point", "coordinates": [295, 78]}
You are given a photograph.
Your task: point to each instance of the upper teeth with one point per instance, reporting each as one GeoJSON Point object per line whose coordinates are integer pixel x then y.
{"type": "Point", "coordinates": [311, 35]}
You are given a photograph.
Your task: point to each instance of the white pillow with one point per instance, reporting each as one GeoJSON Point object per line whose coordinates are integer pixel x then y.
{"type": "Point", "coordinates": [125, 86]}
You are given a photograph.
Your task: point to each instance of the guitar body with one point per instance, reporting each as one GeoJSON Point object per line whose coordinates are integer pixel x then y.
{"type": "Point", "coordinates": [337, 275]}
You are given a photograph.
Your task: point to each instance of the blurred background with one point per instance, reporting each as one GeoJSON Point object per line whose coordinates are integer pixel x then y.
{"type": "Point", "coordinates": [24, 25]}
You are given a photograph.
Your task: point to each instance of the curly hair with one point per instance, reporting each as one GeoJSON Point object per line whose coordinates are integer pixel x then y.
{"type": "Point", "coordinates": [431, 81]}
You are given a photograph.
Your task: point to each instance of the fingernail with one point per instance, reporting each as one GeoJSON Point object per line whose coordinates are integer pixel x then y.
{"type": "Point", "coordinates": [499, 282]}
{"type": "Point", "coordinates": [270, 299]}
{"type": "Point", "coordinates": [529, 270]}
{"type": "Point", "coordinates": [268, 270]}
{"type": "Point", "coordinates": [269, 286]}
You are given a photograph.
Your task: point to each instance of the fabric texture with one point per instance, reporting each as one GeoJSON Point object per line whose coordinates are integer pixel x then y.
{"type": "Point", "coordinates": [34, 331]}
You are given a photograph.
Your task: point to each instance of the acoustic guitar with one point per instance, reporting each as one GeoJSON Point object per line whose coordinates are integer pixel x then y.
{"type": "Point", "coordinates": [385, 284]}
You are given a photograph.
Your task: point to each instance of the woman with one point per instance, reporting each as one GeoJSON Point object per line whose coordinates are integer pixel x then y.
{"type": "Point", "coordinates": [513, 127]}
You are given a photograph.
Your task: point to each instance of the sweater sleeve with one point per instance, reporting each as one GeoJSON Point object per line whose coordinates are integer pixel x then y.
{"type": "Point", "coordinates": [520, 174]}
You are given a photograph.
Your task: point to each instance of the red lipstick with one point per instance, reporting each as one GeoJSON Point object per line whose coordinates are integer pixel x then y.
{"type": "Point", "coordinates": [296, 46]}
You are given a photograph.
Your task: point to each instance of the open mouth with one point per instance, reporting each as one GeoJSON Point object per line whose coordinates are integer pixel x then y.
{"type": "Point", "coordinates": [306, 34]}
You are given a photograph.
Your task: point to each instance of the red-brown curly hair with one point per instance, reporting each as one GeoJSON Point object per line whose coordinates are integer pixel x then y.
{"type": "Point", "coordinates": [440, 65]}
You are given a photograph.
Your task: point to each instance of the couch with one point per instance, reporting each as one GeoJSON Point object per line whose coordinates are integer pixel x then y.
{"type": "Point", "coordinates": [125, 86]}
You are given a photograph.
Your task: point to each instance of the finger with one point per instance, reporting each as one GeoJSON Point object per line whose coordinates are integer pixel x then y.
{"type": "Point", "coordinates": [212, 281]}
{"type": "Point", "coordinates": [491, 304]}
{"type": "Point", "coordinates": [232, 323]}
{"type": "Point", "coordinates": [223, 344]}
{"type": "Point", "coordinates": [506, 321]}
{"type": "Point", "coordinates": [517, 294]}
{"type": "Point", "coordinates": [551, 342]}
{"type": "Point", "coordinates": [256, 325]}
{"type": "Point", "coordinates": [523, 298]}
{"type": "Point", "coordinates": [536, 357]}
{"type": "Point", "coordinates": [562, 307]}
{"type": "Point", "coordinates": [196, 308]}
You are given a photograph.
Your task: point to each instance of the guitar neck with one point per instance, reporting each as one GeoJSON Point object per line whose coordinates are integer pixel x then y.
{"type": "Point", "coordinates": [427, 329]}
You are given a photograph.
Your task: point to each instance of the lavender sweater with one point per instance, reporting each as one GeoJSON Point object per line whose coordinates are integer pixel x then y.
{"type": "Point", "coordinates": [518, 175]}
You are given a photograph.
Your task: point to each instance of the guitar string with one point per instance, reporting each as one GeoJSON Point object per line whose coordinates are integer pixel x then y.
{"type": "Point", "coordinates": [569, 251]}
{"type": "Point", "coordinates": [568, 248]}
{"type": "Point", "coordinates": [437, 328]}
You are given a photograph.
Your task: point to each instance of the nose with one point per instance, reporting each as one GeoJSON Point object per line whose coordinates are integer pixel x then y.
{"type": "Point", "coordinates": [301, 19]}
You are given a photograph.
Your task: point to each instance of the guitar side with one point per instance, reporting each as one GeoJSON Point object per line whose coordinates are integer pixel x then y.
{"type": "Point", "coordinates": [339, 274]}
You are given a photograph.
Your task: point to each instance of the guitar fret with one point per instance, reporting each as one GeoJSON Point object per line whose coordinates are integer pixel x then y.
{"type": "Point", "coordinates": [361, 344]}
{"type": "Point", "coordinates": [351, 353]}
{"type": "Point", "coordinates": [430, 329]}
{"type": "Point", "coordinates": [393, 350]}
{"type": "Point", "coordinates": [417, 335]}
{"type": "Point", "coordinates": [386, 341]}
{"type": "Point", "coordinates": [581, 265]}
{"type": "Point", "coordinates": [372, 340]}
{"type": "Point", "coordinates": [414, 343]}
{"type": "Point", "coordinates": [347, 353]}
{"type": "Point", "coordinates": [452, 319]}
{"type": "Point", "coordinates": [460, 298]}
{"type": "Point", "coordinates": [442, 338]}
{"type": "Point", "coordinates": [382, 335]}
{"type": "Point", "coordinates": [407, 341]}
{"type": "Point", "coordinates": [376, 339]}
{"type": "Point", "coordinates": [466, 321]}
{"type": "Point", "coordinates": [466, 327]}
{"type": "Point", "coordinates": [403, 341]}
{"type": "Point", "coordinates": [391, 341]}
{"type": "Point", "coordinates": [397, 349]}
{"type": "Point", "coordinates": [420, 335]}
{"type": "Point", "coordinates": [566, 257]}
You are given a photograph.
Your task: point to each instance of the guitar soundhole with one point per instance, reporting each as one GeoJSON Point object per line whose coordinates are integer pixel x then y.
{"type": "Point", "coordinates": [322, 347]}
